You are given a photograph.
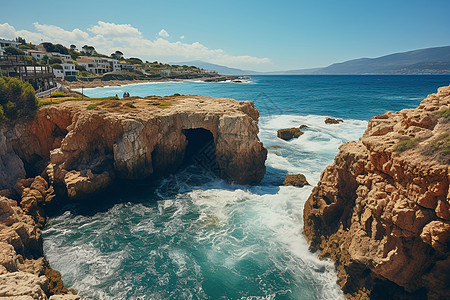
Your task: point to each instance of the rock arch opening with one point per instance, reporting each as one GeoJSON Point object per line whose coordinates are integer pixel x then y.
{"type": "Point", "coordinates": [200, 150]}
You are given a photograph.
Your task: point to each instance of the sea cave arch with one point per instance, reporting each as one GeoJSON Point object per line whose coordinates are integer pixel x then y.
{"type": "Point", "coordinates": [200, 149]}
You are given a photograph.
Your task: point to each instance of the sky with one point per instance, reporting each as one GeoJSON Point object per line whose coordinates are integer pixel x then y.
{"type": "Point", "coordinates": [252, 35]}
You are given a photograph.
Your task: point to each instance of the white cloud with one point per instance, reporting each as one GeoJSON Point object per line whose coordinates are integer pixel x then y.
{"type": "Point", "coordinates": [7, 31]}
{"type": "Point", "coordinates": [115, 30]}
{"type": "Point", "coordinates": [163, 33]}
{"type": "Point", "coordinates": [182, 37]}
{"type": "Point", "coordinates": [109, 37]}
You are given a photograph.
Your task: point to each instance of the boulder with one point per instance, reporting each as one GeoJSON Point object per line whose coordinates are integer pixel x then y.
{"type": "Point", "coordinates": [295, 180]}
{"type": "Point", "coordinates": [289, 133]}
{"type": "Point", "coordinates": [333, 121]}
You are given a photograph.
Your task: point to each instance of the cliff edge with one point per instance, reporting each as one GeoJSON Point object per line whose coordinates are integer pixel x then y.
{"type": "Point", "coordinates": [381, 211]}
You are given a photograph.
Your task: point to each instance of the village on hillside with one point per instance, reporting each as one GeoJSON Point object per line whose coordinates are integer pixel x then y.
{"type": "Point", "coordinates": [46, 64]}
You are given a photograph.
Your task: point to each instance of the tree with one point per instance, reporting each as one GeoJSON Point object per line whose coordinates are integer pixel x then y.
{"type": "Point", "coordinates": [73, 47]}
{"type": "Point", "coordinates": [44, 60]}
{"type": "Point", "coordinates": [134, 60]}
{"type": "Point", "coordinates": [119, 54]}
{"type": "Point", "coordinates": [13, 51]}
{"type": "Point", "coordinates": [54, 60]}
{"type": "Point", "coordinates": [80, 68]}
{"type": "Point", "coordinates": [21, 40]}
{"type": "Point", "coordinates": [61, 49]}
{"type": "Point", "coordinates": [17, 98]}
{"type": "Point", "coordinates": [88, 49]}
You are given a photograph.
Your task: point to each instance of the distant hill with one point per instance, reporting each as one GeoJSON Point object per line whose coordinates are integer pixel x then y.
{"type": "Point", "coordinates": [220, 69]}
{"type": "Point", "coordinates": [424, 61]}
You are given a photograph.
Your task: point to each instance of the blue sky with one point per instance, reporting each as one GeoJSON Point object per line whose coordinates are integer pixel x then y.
{"type": "Point", "coordinates": [256, 35]}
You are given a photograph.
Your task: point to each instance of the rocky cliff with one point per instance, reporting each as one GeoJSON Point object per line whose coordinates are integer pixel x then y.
{"type": "Point", "coordinates": [382, 211]}
{"type": "Point", "coordinates": [132, 139]}
{"type": "Point", "coordinates": [77, 148]}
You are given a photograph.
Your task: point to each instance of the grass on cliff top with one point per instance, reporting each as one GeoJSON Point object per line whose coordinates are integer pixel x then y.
{"type": "Point", "coordinates": [406, 144]}
{"type": "Point", "coordinates": [71, 97]}
{"type": "Point", "coordinates": [162, 104]}
{"type": "Point", "coordinates": [91, 106]}
{"type": "Point", "coordinates": [441, 143]}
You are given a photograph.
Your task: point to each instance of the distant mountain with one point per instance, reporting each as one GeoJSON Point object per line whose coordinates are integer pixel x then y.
{"type": "Point", "coordinates": [424, 61]}
{"type": "Point", "coordinates": [220, 69]}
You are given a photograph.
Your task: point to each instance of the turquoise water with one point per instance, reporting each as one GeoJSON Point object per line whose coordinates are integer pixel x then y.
{"type": "Point", "coordinates": [192, 236]}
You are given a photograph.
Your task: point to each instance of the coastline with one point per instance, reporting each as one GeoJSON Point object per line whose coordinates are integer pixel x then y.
{"type": "Point", "coordinates": [99, 83]}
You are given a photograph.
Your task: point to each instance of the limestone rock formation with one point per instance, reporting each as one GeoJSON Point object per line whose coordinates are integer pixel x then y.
{"type": "Point", "coordinates": [382, 210]}
{"type": "Point", "coordinates": [24, 271]}
{"type": "Point", "coordinates": [295, 180]}
{"type": "Point", "coordinates": [130, 139]}
{"type": "Point", "coordinates": [289, 133]}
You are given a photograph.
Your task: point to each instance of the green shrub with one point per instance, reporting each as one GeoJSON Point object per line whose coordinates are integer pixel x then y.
{"type": "Point", "coordinates": [444, 113]}
{"type": "Point", "coordinates": [91, 106]}
{"type": "Point", "coordinates": [162, 104]}
{"type": "Point", "coordinates": [13, 51]}
{"type": "Point", "coordinates": [406, 144]}
{"type": "Point", "coordinates": [58, 94]}
{"type": "Point", "coordinates": [447, 148]}
{"type": "Point", "coordinates": [17, 98]}
{"type": "Point", "coordinates": [54, 60]}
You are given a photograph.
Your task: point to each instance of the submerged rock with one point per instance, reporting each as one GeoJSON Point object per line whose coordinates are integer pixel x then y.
{"type": "Point", "coordinates": [383, 214]}
{"type": "Point", "coordinates": [333, 121]}
{"type": "Point", "coordinates": [295, 180]}
{"type": "Point", "coordinates": [289, 133]}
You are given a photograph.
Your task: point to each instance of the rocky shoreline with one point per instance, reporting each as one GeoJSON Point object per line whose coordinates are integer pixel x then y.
{"type": "Point", "coordinates": [76, 149]}
{"type": "Point", "coordinates": [381, 211]}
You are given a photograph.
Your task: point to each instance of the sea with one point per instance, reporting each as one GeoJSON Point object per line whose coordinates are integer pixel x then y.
{"type": "Point", "coordinates": [191, 235]}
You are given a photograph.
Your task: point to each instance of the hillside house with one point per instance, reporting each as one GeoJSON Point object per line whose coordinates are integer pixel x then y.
{"type": "Point", "coordinates": [38, 55]}
{"type": "Point", "coordinates": [69, 70]}
{"type": "Point", "coordinates": [164, 72]}
{"type": "Point", "coordinates": [7, 43]}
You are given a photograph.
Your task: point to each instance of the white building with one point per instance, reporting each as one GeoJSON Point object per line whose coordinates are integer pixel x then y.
{"type": "Point", "coordinates": [89, 64]}
{"type": "Point", "coordinates": [7, 43]}
{"type": "Point", "coordinates": [39, 54]}
{"type": "Point", "coordinates": [164, 72]}
{"type": "Point", "coordinates": [99, 65]}
{"type": "Point", "coordinates": [115, 64]}
{"type": "Point", "coordinates": [69, 69]}
{"type": "Point", "coordinates": [64, 57]}
{"type": "Point", "coordinates": [58, 73]}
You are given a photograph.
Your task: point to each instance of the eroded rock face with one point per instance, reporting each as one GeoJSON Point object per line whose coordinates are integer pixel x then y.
{"type": "Point", "coordinates": [24, 271]}
{"type": "Point", "coordinates": [88, 149]}
{"type": "Point", "coordinates": [25, 145]}
{"type": "Point", "coordinates": [382, 212]}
